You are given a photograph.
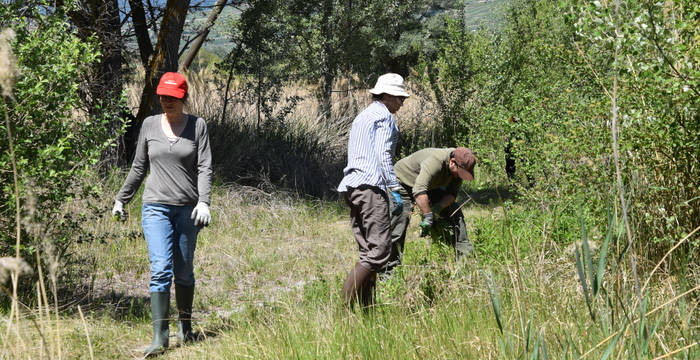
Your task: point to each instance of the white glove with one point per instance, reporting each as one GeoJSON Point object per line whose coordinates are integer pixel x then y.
{"type": "Point", "coordinates": [201, 214]}
{"type": "Point", "coordinates": [118, 210]}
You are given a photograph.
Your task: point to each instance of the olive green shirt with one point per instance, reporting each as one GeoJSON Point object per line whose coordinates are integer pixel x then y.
{"type": "Point", "coordinates": [427, 169]}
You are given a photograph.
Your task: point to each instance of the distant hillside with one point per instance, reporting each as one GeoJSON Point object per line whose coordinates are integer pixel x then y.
{"type": "Point", "coordinates": [484, 13]}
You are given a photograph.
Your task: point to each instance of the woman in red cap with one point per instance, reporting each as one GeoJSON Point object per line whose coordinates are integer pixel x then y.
{"type": "Point", "coordinates": [175, 147]}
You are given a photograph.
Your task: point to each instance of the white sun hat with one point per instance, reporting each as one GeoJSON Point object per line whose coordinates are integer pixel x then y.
{"type": "Point", "coordinates": [391, 84]}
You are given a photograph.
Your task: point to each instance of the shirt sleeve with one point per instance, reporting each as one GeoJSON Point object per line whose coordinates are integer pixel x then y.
{"type": "Point", "coordinates": [139, 167]}
{"type": "Point", "coordinates": [429, 168]}
{"type": "Point", "coordinates": [386, 136]}
{"type": "Point", "coordinates": [204, 171]}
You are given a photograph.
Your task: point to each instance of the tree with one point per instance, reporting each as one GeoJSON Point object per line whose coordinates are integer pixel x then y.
{"type": "Point", "coordinates": [156, 61]}
{"type": "Point", "coordinates": [362, 37]}
{"type": "Point", "coordinates": [262, 50]}
{"type": "Point", "coordinates": [326, 38]}
{"type": "Point", "coordinates": [98, 21]}
{"type": "Point", "coordinates": [56, 143]}
{"type": "Point", "coordinates": [102, 20]}
{"type": "Point", "coordinates": [199, 39]}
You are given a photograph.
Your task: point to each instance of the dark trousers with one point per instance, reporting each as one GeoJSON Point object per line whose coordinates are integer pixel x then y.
{"type": "Point", "coordinates": [369, 219]}
{"type": "Point", "coordinates": [449, 220]}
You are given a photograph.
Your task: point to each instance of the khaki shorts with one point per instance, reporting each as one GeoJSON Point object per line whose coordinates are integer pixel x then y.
{"type": "Point", "coordinates": [370, 222]}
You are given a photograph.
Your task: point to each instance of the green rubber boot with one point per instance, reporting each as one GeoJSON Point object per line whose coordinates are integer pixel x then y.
{"type": "Point", "coordinates": [183, 297]}
{"type": "Point", "coordinates": [160, 303]}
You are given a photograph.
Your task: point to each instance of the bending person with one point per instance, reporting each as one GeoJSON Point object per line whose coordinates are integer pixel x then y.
{"type": "Point", "coordinates": [431, 178]}
{"type": "Point", "coordinates": [175, 147]}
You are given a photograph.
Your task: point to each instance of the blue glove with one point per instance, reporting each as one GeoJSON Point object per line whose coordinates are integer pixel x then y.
{"type": "Point", "coordinates": [396, 203]}
{"type": "Point", "coordinates": [426, 224]}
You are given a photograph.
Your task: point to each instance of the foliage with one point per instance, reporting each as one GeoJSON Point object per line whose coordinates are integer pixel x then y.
{"type": "Point", "coordinates": [56, 145]}
{"type": "Point", "coordinates": [652, 48]}
{"type": "Point", "coordinates": [455, 76]}
{"type": "Point", "coordinates": [261, 49]}
{"type": "Point", "coordinates": [316, 40]}
{"type": "Point", "coordinates": [364, 38]}
{"type": "Point", "coordinates": [542, 86]}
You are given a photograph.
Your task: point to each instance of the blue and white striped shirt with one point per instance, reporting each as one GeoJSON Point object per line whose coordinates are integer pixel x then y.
{"type": "Point", "coordinates": [371, 146]}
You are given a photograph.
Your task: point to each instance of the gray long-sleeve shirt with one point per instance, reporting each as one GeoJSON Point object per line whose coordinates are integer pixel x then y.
{"type": "Point", "coordinates": [180, 170]}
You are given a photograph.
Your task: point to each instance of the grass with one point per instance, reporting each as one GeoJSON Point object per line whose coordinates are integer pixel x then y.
{"type": "Point", "coordinates": [270, 269]}
{"type": "Point", "coordinates": [269, 273]}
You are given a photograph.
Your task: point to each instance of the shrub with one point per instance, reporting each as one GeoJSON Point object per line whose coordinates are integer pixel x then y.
{"type": "Point", "coordinates": [290, 145]}
{"type": "Point", "coordinates": [551, 67]}
{"type": "Point", "coordinates": [56, 145]}
{"type": "Point", "coordinates": [653, 57]}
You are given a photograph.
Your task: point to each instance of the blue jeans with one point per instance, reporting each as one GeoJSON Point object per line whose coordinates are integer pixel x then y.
{"type": "Point", "coordinates": [172, 237]}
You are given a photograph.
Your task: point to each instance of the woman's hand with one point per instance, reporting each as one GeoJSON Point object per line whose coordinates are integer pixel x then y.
{"type": "Point", "coordinates": [118, 211]}
{"type": "Point", "coordinates": [201, 214]}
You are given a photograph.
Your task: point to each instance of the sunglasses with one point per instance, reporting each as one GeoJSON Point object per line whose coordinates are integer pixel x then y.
{"type": "Point", "coordinates": [165, 98]}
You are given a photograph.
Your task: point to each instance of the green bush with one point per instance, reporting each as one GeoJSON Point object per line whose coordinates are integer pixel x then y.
{"type": "Point", "coordinates": [552, 67]}
{"type": "Point", "coordinates": [654, 60]}
{"type": "Point", "coordinates": [56, 144]}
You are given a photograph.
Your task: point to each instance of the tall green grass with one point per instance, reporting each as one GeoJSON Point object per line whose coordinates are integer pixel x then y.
{"type": "Point", "coordinates": [269, 276]}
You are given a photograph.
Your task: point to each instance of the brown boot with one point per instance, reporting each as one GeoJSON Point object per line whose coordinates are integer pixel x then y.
{"type": "Point", "coordinates": [367, 292]}
{"type": "Point", "coordinates": [354, 283]}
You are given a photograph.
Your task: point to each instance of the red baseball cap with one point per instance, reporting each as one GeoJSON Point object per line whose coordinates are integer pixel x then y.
{"type": "Point", "coordinates": [172, 84]}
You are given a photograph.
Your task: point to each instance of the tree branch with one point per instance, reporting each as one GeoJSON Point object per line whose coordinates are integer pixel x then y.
{"type": "Point", "coordinates": [199, 39]}
{"type": "Point", "coordinates": [663, 54]}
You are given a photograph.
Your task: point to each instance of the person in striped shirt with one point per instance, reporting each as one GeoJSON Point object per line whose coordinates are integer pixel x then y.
{"type": "Point", "coordinates": [370, 187]}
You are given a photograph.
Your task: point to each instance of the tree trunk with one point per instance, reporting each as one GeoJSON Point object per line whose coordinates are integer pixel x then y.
{"type": "Point", "coordinates": [197, 44]}
{"type": "Point", "coordinates": [100, 19]}
{"type": "Point", "coordinates": [327, 61]}
{"type": "Point", "coordinates": [108, 31]}
{"type": "Point", "coordinates": [138, 19]}
{"type": "Point", "coordinates": [110, 74]}
{"type": "Point", "coordinates": [234, 58]}
{"type": "Point", "coordinates": [164, 59]}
